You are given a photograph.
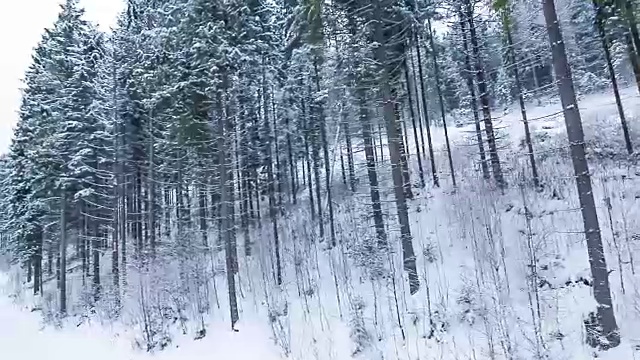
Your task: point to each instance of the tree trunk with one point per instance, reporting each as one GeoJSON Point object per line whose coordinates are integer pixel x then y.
{"type": "Point", "coordinates": [604, 39]}
{"type": "Point", "coordinates": [202, 205]}
{"type": "Point", "coordinates": [413, 123]}
{"type": "Point", "coordinates": [367, 137]}
{"type": "Point", "coordinates": [325, 148]}
{"type": "Point", "coordinates": [523, 111]}
{"type": "Point", "coordinates": [119, 227]}
{"type": "Point", "coordinates": [63, 253]}
{"type": "Point", "coordinates": [293, 166]}
{"type": "Point", "coordinates": [139, 214]}
{"type": "Point", "coordinates": [472, 97]}
{"type": "Point", "coordinates": [633, 59]}
{"type": "Point", "coordinates": [633, 25]}
{"type": "Point", "coordinates": [342, 168]}
{"type": "Point", "coordinates": [393, 137]}
{"type": "Point", "coordinates": [425, 113]}
{"type": "Point", "coordinates": [307, 156]}
{"type": "Point", "coordinates": [404, 158]}
{"type": "Point", "coordinates": [151, 188]}
{"type": "Point", "coordinates": [315, 148]}
{"type": "Point", "coordinates": [601, 290]}
{"type": "Point", "coordinates": [97, 288]}
{"type": "Point", "coordinates": [381, 152]}
{"type": "Point", "coordinates": [436, 67]}
{"type": "Point", "coordinates": [37, 262]}
{"type": "Point", "coordinates": [417, 98]}
{"type": "Point", "coordinates": [273, 212]}
{"type": "Point", "coordinates": [484, 99]}
{"type": "Point", "coordinates": [276, 143]}
{"type": "Point", "coordinates": [350, 162]}
{"type": "Point", "coordinates": [225, 204]}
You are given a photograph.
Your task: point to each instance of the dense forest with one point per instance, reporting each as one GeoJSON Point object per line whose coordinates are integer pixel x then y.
{"type": "Point", "coordinates": [315, 162]}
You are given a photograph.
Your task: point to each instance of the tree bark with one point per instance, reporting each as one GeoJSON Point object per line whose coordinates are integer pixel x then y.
{"type": "Point", "coordinates": [523, 110]}
{"type": "Point", "coordinates": [37, 262]}
{"type": "Point", "coordinates": [350, 162]}
{"type": "Point", "coordinates": [404, 157]}
{"type": "Point", "coordinates": [325, 148]}
{"type": "Point", "coordinates": [472, 97]}
{"type": "Point", "coordinates": [425, 113]}
{"type": "Point", "coordinates": [604, 39]}
{"type": "Point", "coordinates": [367, 137]}
{"type": "Point", "coordinates": [484, 99]}
{"type": "Point", "coordinates": [307, 156]}
{"type": "Point", "coordinates": [63, 253]}
{"type": "Point", "coordinates": [597, 261]}
{"type": "Point", "coordinates": [273, 212]}
{"type": "Point", "coordinates": [417, 98]}
{"type": "Point", "coordinates": [413, 123]}
{"type": "Point", "coordinates": [151, 188]}
{"type": "Point", "coordinates": [436, 67]}
{"type": "Point", "coordinates": [225, 205]}
{"type": "Point", "coordinates": [393, 137]}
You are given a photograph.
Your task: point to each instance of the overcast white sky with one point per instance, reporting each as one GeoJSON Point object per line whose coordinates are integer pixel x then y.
{"type": "Point", "coordinates": [21, 25]}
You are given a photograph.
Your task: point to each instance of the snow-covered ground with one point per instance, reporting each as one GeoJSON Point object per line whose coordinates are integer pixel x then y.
{"type": "Point", "coordinates": [23, 336]}
{"type": "Point", "coordinates": [479, 298]}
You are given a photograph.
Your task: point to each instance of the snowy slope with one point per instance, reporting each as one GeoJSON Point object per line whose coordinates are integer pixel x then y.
{"type": "Point", "coordinates": [23, 336]}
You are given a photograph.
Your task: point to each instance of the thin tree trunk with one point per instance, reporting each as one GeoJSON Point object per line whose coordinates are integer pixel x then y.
{"type": "Point", "coordinates": [381, 153]}
{"type": "Point", "coordinates": [202, 205]}
{"type": "Point", "coordinates": [315, 148]}
{"type": "Point", "coordinates": [139, 213]}
{"type": "Point", "coordinates": [484, 100]}
{"type": "Point", "coordinates": [367, 137]}
{"type": "Point", "coordinates": [243, 180]}
{"type": "Point", "coordinates": [523, 111]}
{"type": "Point", "coordinates": [276, 142]}
{"type": "Point", "coordinates": [342, 167]}
{"type": "Point", "coordinates": [37, 262]}
{"type": "Point", "coordinates": [597, 261]}
{"type": "Point", "coordinates": [425, 113]}
{"type": "Point", "coordinates": [225, 204]}
{"type": "Point", "coordinates": [293, 166]}
{"type": "Point", "coordinates": [633, 25]}
{"type": "Point", "coordinates": [413, 123]}
{"type": "Point", "coordinates": [273, 212]}
{"type": "Point", "coordinates": [97, 288]}
{"type": "Point", "coordinates": [393, 137]}
{"type": "Point", "coordinates": [151, 188]}
{"type": "Point", "coordinates": [327, 161]}
{"type": "Point", "coordinates": [404, 159]}
{"type": "Point", "coordinates": [118, 170]}
{"type": "Point", "coordinates": [350, 162]}
{"type": "Point", "coordinates": [307, 157]}
{"type": "Point", "coordinates": [63, 253]}
{"type": "Point", "coordinates": [604, 39]}
{"type": "Point", "coordinates": [436, 67]}
{"type": "Point", "coordinates": [417, 98]}
{"type": "Point", "coordinates": [473, 99]}
{"type": "Point", "coordinates": [633, 59]}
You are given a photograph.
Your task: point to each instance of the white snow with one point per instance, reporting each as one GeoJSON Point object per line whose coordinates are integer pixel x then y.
{"type": "Point", "coordinates": [23, 336]}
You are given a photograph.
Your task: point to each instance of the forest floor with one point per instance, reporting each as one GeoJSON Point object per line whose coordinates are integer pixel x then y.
{"type": "Point", "coordinates": [495, 283]}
